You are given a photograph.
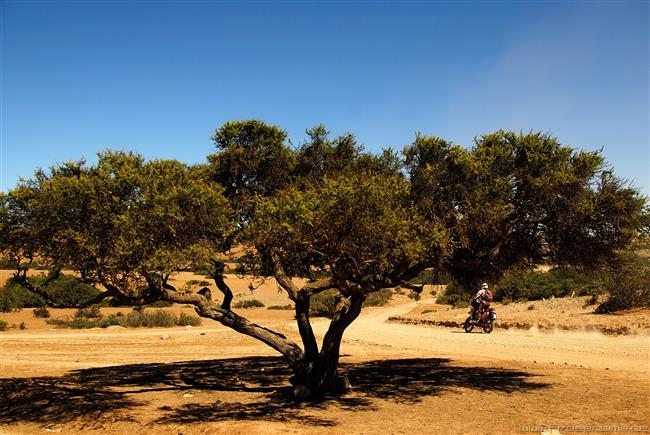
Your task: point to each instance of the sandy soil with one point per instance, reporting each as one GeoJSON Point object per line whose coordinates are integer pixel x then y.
{"type": "Point", "coordinates": [575, 313]}
{"type": "Point", "coordinates": [406, 378]}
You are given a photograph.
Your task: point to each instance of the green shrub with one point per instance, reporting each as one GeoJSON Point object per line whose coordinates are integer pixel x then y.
{"type": "Point", "coordinates": [13, 296]}
{"type": "Point", "coordinates": [3, 325]}
{"type": "Point", "coordinates": [628, 285]}
{"type": "Point", "coordinates": [281, 307]}
{"type": "Point", "coordinates": [188, 320]}
{"type": "Point", "coordinates": [536, 285]}
{"type": "Point", "coordinates": [415, 296]}
{"type": "Point", "coordinates": [88, 313]}
{"type": "Point", "coordinates": [323, 304]}
{"type": "Point", "coordinates": [41, 312]}
{"type": "Point", "coordinates": [448, 299]}
{"type": "Point", "coordinates": [248, 303]}
{"type": "Point", "coordinates": [135, 319]}
{"type": "Point", "coordinates": [378, 298]}
{"type": "Point", "coordinates": [68, 290]}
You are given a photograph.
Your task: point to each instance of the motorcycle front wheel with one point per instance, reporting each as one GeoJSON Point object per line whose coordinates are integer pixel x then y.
{"type": "Point", "coordinates": [488, 326]}
{"type": "Point", "coordinates": [468, 325]}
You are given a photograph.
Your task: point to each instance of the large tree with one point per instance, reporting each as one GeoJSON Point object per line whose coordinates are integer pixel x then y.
{"type": "Point", "coordinates": [515, 200]}
{"type": "Point", "coordinates": [358, 232]}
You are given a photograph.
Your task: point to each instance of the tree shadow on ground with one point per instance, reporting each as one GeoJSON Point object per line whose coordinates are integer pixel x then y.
{"type": "Point", "coordinates": [106, 394]}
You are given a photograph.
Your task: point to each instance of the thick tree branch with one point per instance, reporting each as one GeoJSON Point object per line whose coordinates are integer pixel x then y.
{"type": "Point", "coordinates": [217, 276]}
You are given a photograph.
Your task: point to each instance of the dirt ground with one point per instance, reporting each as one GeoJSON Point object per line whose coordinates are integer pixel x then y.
{"type": "Point", "coordinates": [408, 379]}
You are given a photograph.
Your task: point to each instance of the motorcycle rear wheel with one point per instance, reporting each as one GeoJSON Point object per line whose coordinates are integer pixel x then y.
{"type": "Point", "coordinates": [488, 326]}
{"type": "Point", "coordinates": [468, 325]}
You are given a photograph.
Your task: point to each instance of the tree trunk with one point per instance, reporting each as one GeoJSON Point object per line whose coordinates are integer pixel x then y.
{"type": "Point", "coordinates": [318, 376]}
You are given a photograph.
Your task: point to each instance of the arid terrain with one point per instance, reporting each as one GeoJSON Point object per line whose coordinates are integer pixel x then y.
{"type": "Point", "coordinates": [406, 378]}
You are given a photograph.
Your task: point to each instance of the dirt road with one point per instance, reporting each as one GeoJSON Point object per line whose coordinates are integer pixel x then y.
{"type": "Point", "coordinates": [406, 379]}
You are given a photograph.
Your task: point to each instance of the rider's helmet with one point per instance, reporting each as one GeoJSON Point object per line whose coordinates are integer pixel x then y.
{"type": "Point", "coordinates": [484, 286]}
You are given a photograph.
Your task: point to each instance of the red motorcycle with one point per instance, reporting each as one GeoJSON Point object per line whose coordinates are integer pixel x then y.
{"type": "Point", "coordinates": [483, 320]}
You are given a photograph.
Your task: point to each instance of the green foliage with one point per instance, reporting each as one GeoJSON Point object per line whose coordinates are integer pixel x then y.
{"type": "Point", "coordinates": [134, 319]}
{"type": "Point", "coordinates": [378, 298]}
{"type": "Point", "coordinates": [188, 320]}
{"type": "Point", "coordinates": [248, 303]}
{"type": "Point", "coordinates": [3, 325]}
{"type": "Point", "coordinates": [534, 285]}
{"type": "Point", "coordinates": [41, 312]}
{"type": "Point", "coordinates": [281, 307]}
{"type": "Point", "coordinates": [515, 200]}
{"type": "Point", "coordinates": [341, 227]}
{"type": "Point", "coordinates": [117, 221]}
{"type": "Point", "coordinates": [253, 160]}
{"type": "Point", "coordinates": [88, 313]}
{"type": "Point", "coordinates": [68, 290]}
{"type": "Point", "coordinates": [13, 296]}
{"type": "Point", "coordinates": [628, 285]}
{"type": "Point", "coordinates": [323, 304]}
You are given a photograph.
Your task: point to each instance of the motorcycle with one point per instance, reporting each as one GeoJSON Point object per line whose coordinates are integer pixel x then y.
{"type": "Point", "coordinates": [485, 321]}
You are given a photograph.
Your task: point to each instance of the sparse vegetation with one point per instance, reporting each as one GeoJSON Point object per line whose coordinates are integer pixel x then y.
{"type": "Point", "coordinates": [281, 307]}
{"type": "Point", "coordinates": [3, 325]}
{"type": "Point", "coordinates": [88, 313]}
{"type": "Point", "coordinates": [628, 285]}
{"type": "Point", "coordinates": [379, 298]}
{"type": "Point", "coordinates": [197, 282]}
{"type": "Point", "coordinates": [415, 296]}
{"type": "Point", "coordinates": [536, 285]}
{"type": "Point", "coordinates": [248, 303]}
{"type": "Point", "coordinates": [134, 319]}
{"type": "Point", "coordinates": [41, 312]}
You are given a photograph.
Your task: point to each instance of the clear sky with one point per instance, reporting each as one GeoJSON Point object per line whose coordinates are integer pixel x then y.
{"type": "Point", "coordinates": [158, 77]}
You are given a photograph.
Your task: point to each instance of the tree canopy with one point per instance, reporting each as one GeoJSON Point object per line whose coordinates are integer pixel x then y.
{"type": "Point", "coordinates": [522, 199]}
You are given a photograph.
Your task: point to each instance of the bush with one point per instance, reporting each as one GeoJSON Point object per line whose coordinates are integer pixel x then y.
{"type": "Point", "coordinates": [22, 326]}
{"type": "Point", "coordinates": [281, 307]}
{"type": "Point", "coordinates": [3, 325]}
{"type": "Point", "coordinates": [188, 320]}
{"type": "Point", "coordinates": [88, 313]}
{"type": "Point", "coordinates": [41, 312]}
{"type": "Point", "coordinates": [378, 298]}
{"type": "Point", "coordinates": [68, 290]}
{"type": "Point", "coordinates": [248, 303]}
{"type": "Point", "coordinates": [535, 285]}
{"type": "Point", "coordinates": [628, 285]}
{"type": "Point", "coordinates": [415, 296]}
{"type": "Point", "coordinates": [323, 304]}
{"type": "Point", "coordinates": [13, 296]}
{"type": "Point", "coordinates": [449, 299]}
{"type": "Point", "coordinates": [134, 319]}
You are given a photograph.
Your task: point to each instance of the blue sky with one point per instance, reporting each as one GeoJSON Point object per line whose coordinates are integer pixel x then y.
{"type": "Point", "coordinates": [158, 77]}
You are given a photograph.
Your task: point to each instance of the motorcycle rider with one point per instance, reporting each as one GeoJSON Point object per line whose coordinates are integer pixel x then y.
{"type": "Point", "coordinates": [481, 301]}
